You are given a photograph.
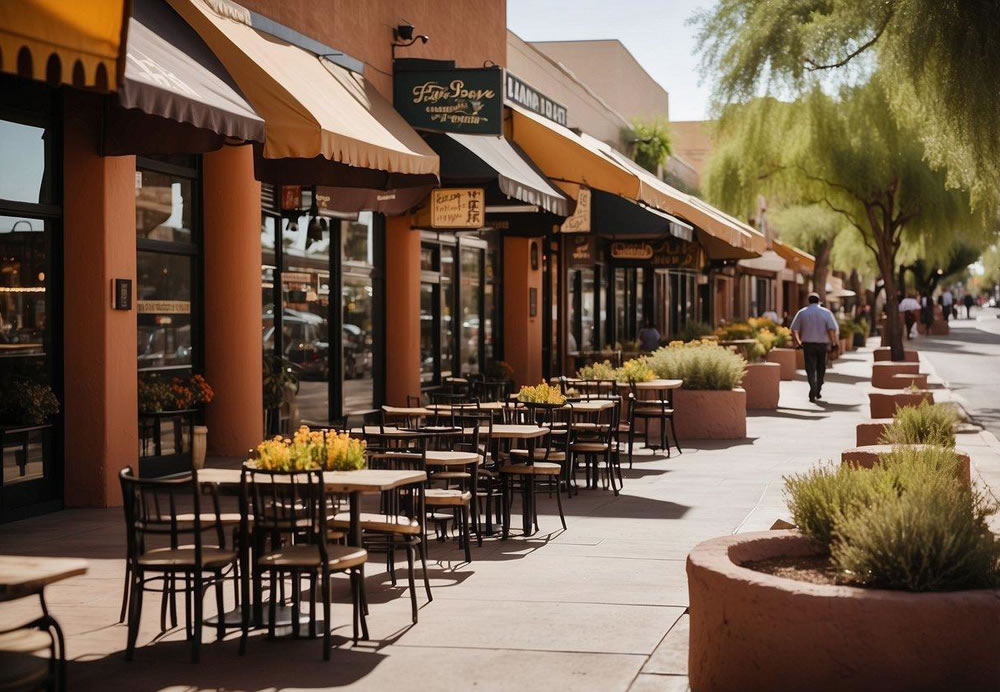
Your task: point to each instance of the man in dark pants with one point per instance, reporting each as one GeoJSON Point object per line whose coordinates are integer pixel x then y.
{"type": "Point", "coordinates": [815, 329]}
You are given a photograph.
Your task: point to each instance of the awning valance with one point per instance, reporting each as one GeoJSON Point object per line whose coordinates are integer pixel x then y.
{"type": "Point", "coordinates": [171, 73]}
{"type": "Point", "coordinates": [797, 260]}
{"type": "Point", "coordinates": [570, 159]}
{"type": "Point", "coordinates": [76, 43]}
{"type": "Point", "coordinates": [717, 249]}
{"type": "Point", "coordinates": [312, 108]}
{"type": "Point", "coordinates": [482, 159]}
{"type": "Point", "coordinates": [616, 217]}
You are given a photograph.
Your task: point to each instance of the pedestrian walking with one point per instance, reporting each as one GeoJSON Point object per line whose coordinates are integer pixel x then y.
{"type": "Point", "coordinates": [947, 302]}
{"type": "Point", "coordinates": [969, 302]}
{"type": "Point", "coordinates": [909, 308]}
{"type": "Point", "coordinates": [649, 337]}
{"type": "Point", "coordinates": [815, 330]}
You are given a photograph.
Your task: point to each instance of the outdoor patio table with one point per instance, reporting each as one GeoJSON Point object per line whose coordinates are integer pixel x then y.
{"type": "Point", "coordinates": [531, 433]}
{"type": "Point", "coordinates": [22, 576]}
{"type": "Point", "coordinates": [482, 405]}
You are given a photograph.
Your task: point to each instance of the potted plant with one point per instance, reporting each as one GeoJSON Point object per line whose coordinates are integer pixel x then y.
{"type": "Point", "coordinates": [761, 379]}
{"type": "Point", "coordinates": [882, 563]}
{"type": "Point", "coordinates": [603, 370]}
{"type": "Point", "coordinates": [180, 395]}
{"type": "Point", "coordinates": [542, 395]}
{"type": "Point", "coordinates": [310, 449]}
{"type": "Point", "coordinates": [26, 402]}
{"type": "Point", "coordinates": [711, 404]}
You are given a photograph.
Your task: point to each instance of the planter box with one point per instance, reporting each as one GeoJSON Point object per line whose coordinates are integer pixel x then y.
{"type": "Point", "coordinates": [762, 383]}
{"type": "Point", "coordinates": [710, 415]}
{"type": "Point", "coordinates": [883, 371]}
{"type": "Point", "coordinates": [785, 357]}
{"type": "Point", "coordinates": [800, 359]}
{"type": "Point", "coordinates": [867, 457]}
{"type": "Point", "coordinates": [884, 404]}
{"type": "Point", "coordinates": [843, 347]}
{"type": "Point", "coordinates": [940, 328]}
{"type": "Point", "coordinates": [904, 380]}
{"type": "Point", "coordinates": [755, 631]}
{"type": "Point", "coordinates": [870, 433]}
{"type": "Point", "coordinates": [885, 353]}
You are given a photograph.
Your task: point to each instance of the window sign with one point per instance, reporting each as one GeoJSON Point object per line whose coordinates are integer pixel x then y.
{"type": "Point", "coordinates": [458, 208]}
{"type": "Point", "coordinates": [458, 100]}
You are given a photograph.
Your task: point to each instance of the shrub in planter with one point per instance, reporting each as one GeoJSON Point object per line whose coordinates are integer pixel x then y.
{"type": "Point", "coordinates": [597, 371]}
{"type": "Point", "coordinates": [25, 402]}
{"type": "Point", "coordinates": [926, 423]}
{"type": "Point", "coordinates": [701, 364]}
{"type": "Point", "coordinates": [635, 370]}
{"type": "Point", "coordinates": [693, 331]}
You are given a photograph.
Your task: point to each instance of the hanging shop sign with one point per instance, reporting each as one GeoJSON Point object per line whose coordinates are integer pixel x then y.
{"type": "Point", "coordinates": [579, 222]}
{"type": "Point", "coordinates": [457, 100]}
{"type": "Point", "coordinates": [668, 252]}
{"type": "Point", "coordinates": [526, 96]}
{"type": "Point", "coordinates": [458, 208]}
{"type": "Point", "coordinates": [581, 251]}
{"type": "Point", "coordinates": [291, 197]}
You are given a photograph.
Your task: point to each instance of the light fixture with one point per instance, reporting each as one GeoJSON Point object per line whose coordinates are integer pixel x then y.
{"type": "Point", "coordinates": [402, 37]}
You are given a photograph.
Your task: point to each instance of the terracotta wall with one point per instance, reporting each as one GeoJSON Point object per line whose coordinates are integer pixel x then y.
{"type": "Point", "coordinates": [232, 300]}
{"type": "Point", "coordinates": [522, 332]}
{"type": "Point", "coordinates": [101, 409]}
{"type": "Point", "coordinates": [402, 311]}
{"type": "Point", "coordinates": [468, 31]}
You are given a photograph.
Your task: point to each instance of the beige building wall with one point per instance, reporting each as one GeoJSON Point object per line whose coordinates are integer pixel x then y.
{"type": "Point", "coordinates": [692, 142]}
{"type": "Point", "coordinates": [585, 109]}
{"type": "Point", "coordinates": [607, 67]}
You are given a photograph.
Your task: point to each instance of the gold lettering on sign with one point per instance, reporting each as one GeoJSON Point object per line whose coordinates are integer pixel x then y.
{"type": "Point", "coordinates": [458, 208]}
{"type": "Point", "coordinates": [634, 251]}
{"type": "Point", "coordinates": [579, 222]}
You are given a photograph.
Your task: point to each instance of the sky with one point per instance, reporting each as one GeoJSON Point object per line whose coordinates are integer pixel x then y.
{"type": "Point", "coordinates": [654, 31]}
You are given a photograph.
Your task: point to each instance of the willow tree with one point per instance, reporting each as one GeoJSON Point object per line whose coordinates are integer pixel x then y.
{"type": "Point", "coordinates": [941, 56]}
{"type": "Point", "coordinates": [848, 153]}
{"type": "Point", "coordinates": [811, 228]}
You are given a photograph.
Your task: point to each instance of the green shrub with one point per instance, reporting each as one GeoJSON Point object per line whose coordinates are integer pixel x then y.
{"type": "Point", "coordinates": [735, 331]}
{"type": "Point", "coordinates": [701, 364]}
{"type": "Point", "coordinates": [635, 370]}
{"type": "Point", "coordinates": [694, 330]}
{"type": "Point", "coordinates": [597, 371]}
{"type": "Point", "coordinates": [932, 537]}
{"type": "Point", "coordinates": [924, 424]}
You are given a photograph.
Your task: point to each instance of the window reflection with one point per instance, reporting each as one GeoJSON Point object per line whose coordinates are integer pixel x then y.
{"type": "Point", "coordinates": [447, 310]}
{"type": "Point", "coordinates": [24, 276]}
{"type": "Point", "coordinates": [428, 346]}
{"type": "Point", "coordinates": [163, 207]}
{"type": "Point", "coordinates": [22, 150]}
{"type": "Point", "coordinates": [163, 307]}
{"type": "Point", "coordinates": [472, 295]}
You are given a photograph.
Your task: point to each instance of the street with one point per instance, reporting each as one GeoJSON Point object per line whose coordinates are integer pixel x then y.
{"type": "Point", "coordinates": [968, 360]}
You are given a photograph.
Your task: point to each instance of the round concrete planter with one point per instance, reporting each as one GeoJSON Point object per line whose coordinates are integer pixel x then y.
{"type": "Point", "coordinates": [883, 372]}
{"type": "Point", "coordinates": [710, 414]}
{"type": "Point", "coordinates": [884, 404]}
{"type": "Point", "coordinates": [755, 631]}
{"type": "Point", "coordinates": [885, 353]}
{"type": "Point", "coordinates": [762, 382]}
{"type": "Point", "coordinates": [785, 357]}
{"type": "Point", "coordinates": [867, 456]}
{"type": "Point", "coordinates": [870, 432]}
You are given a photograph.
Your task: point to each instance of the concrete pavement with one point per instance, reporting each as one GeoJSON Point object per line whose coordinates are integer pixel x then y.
{"type": "Point", "coordinates": [599, 606]}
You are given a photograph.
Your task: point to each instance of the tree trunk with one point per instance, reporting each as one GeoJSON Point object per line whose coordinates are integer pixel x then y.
{"type": "Point", "coordinates": [821, 269]}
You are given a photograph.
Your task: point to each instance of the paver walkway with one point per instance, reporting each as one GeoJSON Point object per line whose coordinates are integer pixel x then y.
{"type": "Point", "coordinates": [600, 606]}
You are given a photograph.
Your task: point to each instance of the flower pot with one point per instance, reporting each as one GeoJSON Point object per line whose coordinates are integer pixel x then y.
{"type": "Point", "coordinates": [199, 441]}
{"type": "Point", "coordinates": [785, 357]}
{"type": "Point", "coordinates": [762, 382]}
{"type": "Point", "coordinates": [885, 353]}
{"type": "Point", "coordinates": [867, 456]}
{"type": "Point", "coordinates": [710, 414]}
{"type": "Point", "coordinates": [843, 347]}
{"type": "Point", "coordinates": [755, 631]}
{"type": "Point", "coordinates": [884, 404]}
{"type": "Point", "coordinates": [870, 432]}
{"type": "Point", "coordinates": [884, 371]}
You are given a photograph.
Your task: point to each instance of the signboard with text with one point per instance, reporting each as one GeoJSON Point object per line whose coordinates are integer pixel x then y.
{"type": "Point", "coordinates": [458, 208]}
{"type": "Point", "coordinates": [579, 222]}
{"type": "Point", "coordinates": [581, 251]}
{"type": "Point", "coordinates": [528, 97]}
{"type": "Point", "coordinates": [667, 252]}
{"type": "Point", "coordinates": [457, 100]}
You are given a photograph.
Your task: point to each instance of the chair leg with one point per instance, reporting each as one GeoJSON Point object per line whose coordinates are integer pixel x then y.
{"type": "Point", "coordinates": [325, 578]}
{"type": "Point", "coordinates": [355, 604]}
{"type": "Point", "coordinates": [296, 604]}
{"type": "Point", "coordinates": [362, 602]}
{"type": "Point", "coordinates": [220, 628]}
{"type": "Point", "coordinates": [165, 598]}
{"type": "Point", "coordinates": [465, 533]}
{"type": "Point", "coordinates": [562, 517]}
{"type": "Point", "coordinates": [198, 599]}
{"type": "Point", "coordinates": [631, 442]}
{"type": "Point", "coordinates": [673, 431]}
{"type": "Point", "coordinates": [134, 615]}
{"type": "Point", "coordinates": [364, 594]}
{"type": "Point", "coordinates": [187, 608]}
{"type": "Point", "coordinates": [128, 578]}
{"type": "Point", "coordinates": [423, 563]}
{"type": "Point", "coordinates": [409, 578]}
{"type": "Point", "coordinates": [312, 605]}
{"type": "Point", "coordinates": [272, 606]}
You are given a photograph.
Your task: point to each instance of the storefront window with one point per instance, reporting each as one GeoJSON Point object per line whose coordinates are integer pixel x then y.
{"type": "Point", "coordinates": [24, 275]}
{"type": "Point", "coordinates": [357, 299]}
{"type": "Point", "coordinates": [447, 310]}
{"type": "Point", "coordinates": [587, 310]}
{"type": "Point", "coordinates": [429, 307]}
{"type": "Point", "coordinates": [163, 207]}
{"type": "Point", "coordinates": [22, 177]}
{"type": "Point", "coordinates": [472, 296]}
{"type": "Point", "coordinates": [490, 302]}
{"type": "Point", "coordinates": [621, 301]}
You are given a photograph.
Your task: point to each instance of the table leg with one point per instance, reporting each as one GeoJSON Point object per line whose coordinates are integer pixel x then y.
{"type": "Point", "coordinates": [528, 496]}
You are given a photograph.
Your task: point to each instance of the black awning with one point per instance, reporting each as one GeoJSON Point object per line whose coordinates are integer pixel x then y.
{"type": "Point", "coordinates": [616, 217]}
{"type": "Point", "coordinates": [482, 159]}
{"type": "Point", "coordinates": [170, 73]}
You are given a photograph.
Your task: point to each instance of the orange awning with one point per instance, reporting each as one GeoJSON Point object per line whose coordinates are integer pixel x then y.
{"type": "Point", "coordinates": [311, 106]}
{"type": "Point", "coordinates": [572, 160]}
{"type": "Point", "coordinates": [797, 260]}
{"type": "Point", "coordinates": [76, 43]}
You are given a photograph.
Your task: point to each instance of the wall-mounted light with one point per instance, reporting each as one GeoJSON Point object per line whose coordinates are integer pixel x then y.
{"type": "Point", "coordinates": [402, 37]}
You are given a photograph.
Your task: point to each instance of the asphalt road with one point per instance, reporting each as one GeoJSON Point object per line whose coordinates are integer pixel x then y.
{"type": "Point", "coordinates": [969, 361]}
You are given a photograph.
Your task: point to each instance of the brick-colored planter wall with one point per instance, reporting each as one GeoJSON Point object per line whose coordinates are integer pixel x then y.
{"type": "Point", "coordinates": [870, 432]}
{"type": "Point", "coordinates": [710, 415]}
{"type": "Point", "coordinates": [884, 404]}
{"type": "Point", "coordinates": [785, 357]}
{"type": "Point", "coordinates": [867, 456]}
{"type": "Point", "coordinates": [885, 353]}
{"type": "Point", "coordinates": [762, 382]}
{"type": "Point", "coordinates": [755, 631]}
{"type": "Point", "coordinates": [883, 371]}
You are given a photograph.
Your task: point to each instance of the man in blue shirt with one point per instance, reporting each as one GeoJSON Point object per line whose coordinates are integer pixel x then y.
{"type": "Point", "coordinates": [815, 329]}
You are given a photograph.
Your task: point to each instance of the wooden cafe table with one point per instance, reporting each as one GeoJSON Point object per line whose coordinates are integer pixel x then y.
{"type": "Point", "coordinates": [531, 434]}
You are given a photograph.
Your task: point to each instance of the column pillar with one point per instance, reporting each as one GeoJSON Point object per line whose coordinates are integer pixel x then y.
{"type": "Point", "coordinates": [100, 381]}
{"type": "Point", "coordinates": [402, 310]}
{"type": "Point", "coordinates": [522, 344]}
{"type": "Point", "coordinates": [232, 301]}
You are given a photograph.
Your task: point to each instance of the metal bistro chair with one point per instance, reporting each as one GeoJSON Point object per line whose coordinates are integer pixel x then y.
{"type": "Point", "coordinates": [400, 520]}
{"type": "Point", "coordinates": [459, 493]}
{"type": "Point", "coordinates": [151, 515]}
{"type": "Point", "coordinates": [290, 540]}
{"type": "Point", "coordinates": [647, 410]}
{"type": "Point", "coordinates": [546, 463]}
{"type": "Point", "coordinates": [595, 440]}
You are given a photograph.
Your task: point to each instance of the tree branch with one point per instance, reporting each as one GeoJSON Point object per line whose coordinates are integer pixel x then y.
{"type": "Point", "coordinates": [813, 65]}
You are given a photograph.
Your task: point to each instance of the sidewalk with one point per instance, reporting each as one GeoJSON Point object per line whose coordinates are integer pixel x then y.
{"type": "Point", "coordinates": [600, 606]}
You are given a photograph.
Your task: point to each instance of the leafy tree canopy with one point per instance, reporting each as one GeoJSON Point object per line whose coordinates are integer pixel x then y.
{"type": "Point", "coordinates": [806, 227]}
{"type": "Point", "coordinates": [651, 142]}
{"type": "Point", "coordinates": [941, 59]}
